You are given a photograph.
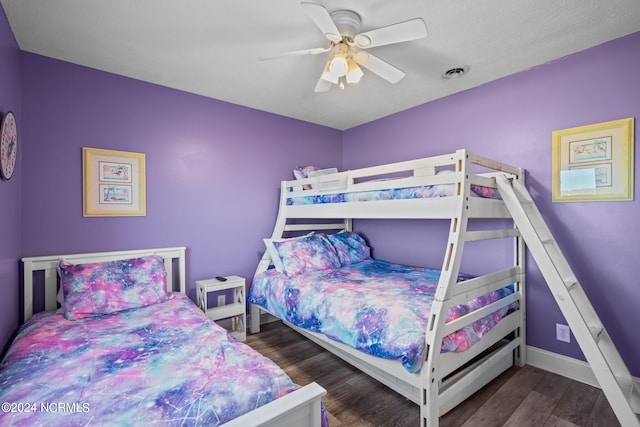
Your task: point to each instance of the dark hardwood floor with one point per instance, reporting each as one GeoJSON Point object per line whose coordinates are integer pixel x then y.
{"type": "Point", "coordinates": [519, 397]}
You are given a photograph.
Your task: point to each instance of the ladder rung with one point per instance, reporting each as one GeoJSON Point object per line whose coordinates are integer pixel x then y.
{"type": "Point", "coordinates": [596, 332]}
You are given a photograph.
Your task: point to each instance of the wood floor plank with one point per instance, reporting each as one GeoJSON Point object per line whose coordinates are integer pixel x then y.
{"type": "Point", "coordinates": [380, 408]}
{"type": "Point", "coordinates": [497, 410]}
{"type": "Point", "coordinates": [554, 421]}
{"type": "Point", "coordinates": [533, 411]}
{"type": "Point", "coordinates": [602, 414]}
{"type": "Point", "coordinates": [553, 385]}
{"type": "Point", "coordinates": [576, 403]}
{"type": "Point", "coordinates": [466, 409]}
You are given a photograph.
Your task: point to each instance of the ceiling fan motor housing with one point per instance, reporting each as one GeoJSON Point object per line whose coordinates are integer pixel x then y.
{"type": "Point", "coordinates": [347, 21]}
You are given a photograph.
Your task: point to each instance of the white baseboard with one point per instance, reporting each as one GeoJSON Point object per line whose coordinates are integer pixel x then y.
{"type": "Point", "coordinates": [569, 367]}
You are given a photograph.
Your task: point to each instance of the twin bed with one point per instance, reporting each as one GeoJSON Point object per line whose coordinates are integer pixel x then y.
{"type": "Point", "coordinates": [126, 348]}
{"type": "Point", "coordinates": [434, 335]}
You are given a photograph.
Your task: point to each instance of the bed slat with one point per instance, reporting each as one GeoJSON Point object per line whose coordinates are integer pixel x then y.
{"type": "Point", "coordinates": [50, 289]}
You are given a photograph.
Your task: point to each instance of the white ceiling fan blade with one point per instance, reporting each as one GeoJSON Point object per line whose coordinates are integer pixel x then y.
{"type": "Point", "coordinates": [322, 85]}
{"type": "Point", "coordinates": [379, 67]}
{"type": "Point", "coordinates": [313, 51]}
{"type": "Point", "coordinates": [320, 16]}
{"type": "Point", "coordinates": [396, 33]}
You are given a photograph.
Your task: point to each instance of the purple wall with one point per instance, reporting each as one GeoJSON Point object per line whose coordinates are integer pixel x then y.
{"type": "Point", "coordinates": [511, 120]}
{"type": "Point", "coordinates": [10, 190]}
{"type": "Point", "coordinates": [213, 168]}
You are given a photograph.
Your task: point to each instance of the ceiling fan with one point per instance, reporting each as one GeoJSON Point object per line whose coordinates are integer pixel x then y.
{"type": "Point", "coordinates": [348, 46]}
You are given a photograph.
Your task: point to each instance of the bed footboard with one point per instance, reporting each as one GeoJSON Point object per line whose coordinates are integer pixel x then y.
{"type": "Point", "coordinates": [300, 408]}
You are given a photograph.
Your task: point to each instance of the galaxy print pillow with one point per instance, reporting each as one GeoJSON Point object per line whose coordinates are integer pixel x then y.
{"type": "Point", "coordinates": [350, 247]}
{"type": "Point", "coordinates": [107, 287]}
{"type": "Point", "coordinates": [312, 252]}
{"type": "Point", "coordinates": [276, 260]}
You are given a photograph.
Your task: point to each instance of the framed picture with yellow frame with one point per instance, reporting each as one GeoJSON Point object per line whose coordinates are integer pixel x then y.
{"type": "Point", "coordinates": [113, 183]}
{"type": "Point", "coordinates": [593, 162]}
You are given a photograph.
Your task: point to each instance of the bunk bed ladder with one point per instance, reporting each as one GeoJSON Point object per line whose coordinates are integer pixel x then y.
{"type": "Point", "coordinates": [620, 388]}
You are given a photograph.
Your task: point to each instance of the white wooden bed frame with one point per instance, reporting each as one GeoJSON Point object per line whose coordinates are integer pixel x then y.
{"type": "Point", "coordinates": [445, 379]}
{"type": "Point", "coordinates": [299, 408]}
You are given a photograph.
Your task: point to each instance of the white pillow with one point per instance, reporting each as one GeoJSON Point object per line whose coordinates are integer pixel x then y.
{"type": "Point", "coordinates": [60, 297]}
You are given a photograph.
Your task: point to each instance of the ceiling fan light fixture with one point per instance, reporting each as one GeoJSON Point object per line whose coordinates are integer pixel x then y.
{"type": "Point", "coordinates": [330, 78]}
{"type": "Point", "coordinates": [336, 68]}
{"type": "Point", "coordinates": [339, 65]}
{"type": "Point", "coordinates": [354, 74]}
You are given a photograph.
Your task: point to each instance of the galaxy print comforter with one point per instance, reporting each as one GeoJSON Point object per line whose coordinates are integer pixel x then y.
{"type": "Point", "coordinates": [164, 364]}
{"type": "Point", "coordinates": [374, 306]}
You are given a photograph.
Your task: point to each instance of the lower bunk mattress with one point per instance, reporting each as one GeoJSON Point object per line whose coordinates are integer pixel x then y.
{"type": "Point", "coordinates": [375, 306]}
{"type": "Point", "coordinates": [164, 364]}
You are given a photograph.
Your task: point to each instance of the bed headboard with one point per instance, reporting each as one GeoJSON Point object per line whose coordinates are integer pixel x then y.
{"type": "Point", "coordinates": [48, 264]}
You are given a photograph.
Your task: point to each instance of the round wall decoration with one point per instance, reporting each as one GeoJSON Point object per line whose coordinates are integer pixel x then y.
{"type": "Point", "coordinates": [8, 145]}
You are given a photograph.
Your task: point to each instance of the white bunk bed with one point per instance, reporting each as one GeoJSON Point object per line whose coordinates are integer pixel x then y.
{"type": "Point", "coordinates": [445, 379]}
{"type": "Point", "coordinates": [301, 407]}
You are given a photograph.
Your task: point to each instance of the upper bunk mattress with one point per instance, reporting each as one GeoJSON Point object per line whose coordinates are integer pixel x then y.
{"type": "Point", "coordinates": [419, 192]}
{"type": "Point", "coordinates": [164, 364]}
{"type": "Point", "coordinates": [375, 306]}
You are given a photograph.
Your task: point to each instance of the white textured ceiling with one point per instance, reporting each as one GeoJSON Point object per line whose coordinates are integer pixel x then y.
{"type": "Point", "coordinates": [210, 47]}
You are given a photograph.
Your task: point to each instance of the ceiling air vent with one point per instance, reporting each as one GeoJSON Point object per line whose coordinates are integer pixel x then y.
{"type": "Point", "coordinates": [455, 72]}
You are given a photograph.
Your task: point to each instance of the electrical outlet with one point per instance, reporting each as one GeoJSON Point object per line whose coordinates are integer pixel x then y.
{"type": "Point", "coordinates": [563, 333]}
{"type": "Point", "coordinates": [221, 300]}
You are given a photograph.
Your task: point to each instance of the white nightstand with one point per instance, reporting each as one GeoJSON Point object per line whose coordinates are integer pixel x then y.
{"type": "Point", "coordinates": [234, 311]}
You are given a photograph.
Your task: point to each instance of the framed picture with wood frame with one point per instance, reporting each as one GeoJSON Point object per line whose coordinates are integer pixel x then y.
{"type": "Point", "coordinates": [593, 163]}
{"type": "Point", "coordinates": [113, 183]}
